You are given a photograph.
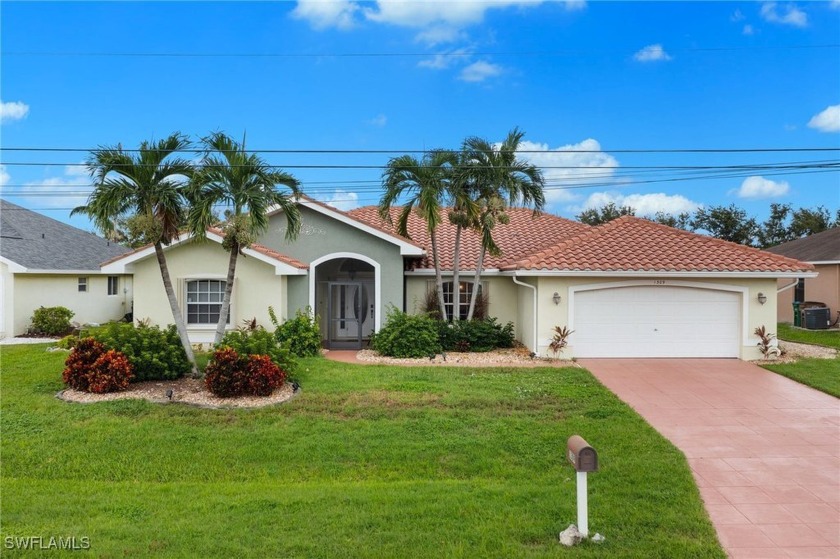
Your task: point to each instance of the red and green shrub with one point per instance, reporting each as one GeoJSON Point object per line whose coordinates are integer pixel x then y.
{"type": "Point", "coordinates": [91, 368]}
{"type": "Point", "coordinates": [229, 374]}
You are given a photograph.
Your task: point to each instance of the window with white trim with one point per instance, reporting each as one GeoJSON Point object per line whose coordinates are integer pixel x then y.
{"type": "Point", "coordinates": [465, 294]}
{"type": "Point", "coordinates": [83, 285]}
{"type": "Point", "coordinates": [204, 301]}
{"type": "Point", "coordinates": [113, 285]}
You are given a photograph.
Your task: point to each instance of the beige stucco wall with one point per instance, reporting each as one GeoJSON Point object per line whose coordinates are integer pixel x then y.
{"type": "Point", "coordinates": [255, 288]}
{"type": "Point", "coordinates": [824, 288]}
{"type": "Point", "coordinates": [23, 293]}
{"type": "Point", "coordinates": [550, 315]}
{"type": "Point", "coordinates": [7, 301]}
{"type": "Point", "coordinates": [500, 289]}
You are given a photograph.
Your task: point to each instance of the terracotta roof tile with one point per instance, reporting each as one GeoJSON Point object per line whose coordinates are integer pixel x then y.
{"type": "Point", "coordinates": [525, 234]}
{"type": "Point", "coordinates": [639, 245]}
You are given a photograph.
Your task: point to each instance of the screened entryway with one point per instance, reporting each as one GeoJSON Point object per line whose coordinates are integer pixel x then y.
{"type": "Point", "coordinates": [346, 302]}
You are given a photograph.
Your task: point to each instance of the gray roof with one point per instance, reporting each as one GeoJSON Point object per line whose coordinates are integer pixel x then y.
{"type": "Point", "coordinates": [820, 247]}
{"type": "Point", "coordinates": [38, 242]}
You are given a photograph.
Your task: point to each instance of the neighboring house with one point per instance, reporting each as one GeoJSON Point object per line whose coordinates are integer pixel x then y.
{"type": "Point", "coordinates": [822, 250]}
{"type": "Point", "coordinates": [44, 262]}
{"type": "Point", "coordinates": [627, 288]}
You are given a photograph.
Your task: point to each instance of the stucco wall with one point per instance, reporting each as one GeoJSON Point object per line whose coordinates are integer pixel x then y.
{"type": "Point", "coordinates": [550, 315]}
{"type": "Point", "coordinates": [7, 301]}
{"type": "Point", "coordinates": [501, 290]}
{"type": "Point", "coordinates": [320, 236]}
{"type": "Point", "coordinates": [30, 291]}
{"type": "Point", "coordinates": [824, 288]}
{"type": "Point", "coordinates": [255, 288]}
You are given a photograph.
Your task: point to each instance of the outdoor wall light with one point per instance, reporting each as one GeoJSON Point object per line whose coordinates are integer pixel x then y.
{"type": "Point", "coordinates": [556, 298]}
{"type": "Point", "coordinates": [762, 298]}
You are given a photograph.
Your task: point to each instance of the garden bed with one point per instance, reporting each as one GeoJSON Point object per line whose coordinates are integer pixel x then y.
{"type": "Point", "coordinates": [184, 391]}
{"type": "Point", "coordinates": [796, 351]}
{"type": "Point", "coordinates": [513, 357]}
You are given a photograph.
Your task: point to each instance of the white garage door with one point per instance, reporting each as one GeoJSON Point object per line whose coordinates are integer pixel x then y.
{"type": "Point", "coordinates": [656, 321]}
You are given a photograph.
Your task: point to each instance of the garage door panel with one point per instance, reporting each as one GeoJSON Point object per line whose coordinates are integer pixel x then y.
{"type": "Point", "coordinates": [656, 321]}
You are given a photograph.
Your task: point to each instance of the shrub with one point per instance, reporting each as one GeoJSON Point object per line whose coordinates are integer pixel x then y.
{"type": "Point", "coordinates": [301, 334]}
{"type": "Point", "coordinates": [560, 339]}
{"type": "Point", "coordinates": [52, 321]}
{"type": "Point", "coordinates": [475, 335]}
{"type": "Point", "coordinates": [92, 368]}
{"type": "Point", "coordinates": [407, 335]}
{"type": "Point", "coordinates": [229, 374]}
{"type": "Point", "coordinates": [259, 342]}
{"type": "Point", "coordinates": [67, 342]}
{"type": "Point", "coordinates": [156, 354]}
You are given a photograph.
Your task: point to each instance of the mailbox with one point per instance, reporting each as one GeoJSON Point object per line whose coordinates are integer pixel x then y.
{"type": "Point", "coordinates": [582, 456]}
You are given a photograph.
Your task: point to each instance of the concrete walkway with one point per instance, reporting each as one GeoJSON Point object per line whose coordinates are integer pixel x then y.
{"type": "Point", "coordinates": [764, 450]}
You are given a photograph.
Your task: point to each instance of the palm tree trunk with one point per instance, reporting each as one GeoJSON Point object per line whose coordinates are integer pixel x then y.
{"type": "Point", "coordinates": [476, 282]}
{"type": "Point", "coordinates": [177, 316]}
{"type": "Point", "coordinates": [456, 276]}
{"type": "Point", "coordinates": [438, 276]}
{"type": "Point", "coordinates": [223, 313]}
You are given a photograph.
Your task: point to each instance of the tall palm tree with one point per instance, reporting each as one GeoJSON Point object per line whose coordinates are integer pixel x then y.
{"type": "Point", "coordinates": [149, 185]}
{"type": "Point", "coordinates": [463, 215]}
{"type": "Point", "coordinates": [426, 182]}
{"type": "Point", "coordinates": [499, 180]}
{"type": "Point", "coordinates": [231, 176]}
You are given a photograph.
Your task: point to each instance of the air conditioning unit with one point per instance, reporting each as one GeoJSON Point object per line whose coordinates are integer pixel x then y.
{"type": "Point", "coordinates": [817, 318]}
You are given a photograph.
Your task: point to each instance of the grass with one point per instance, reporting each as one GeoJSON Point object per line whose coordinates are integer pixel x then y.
{"type": "Point", "coordinates": [827, 338]}
{"type": "Point", "coordinates": [369, 461]}
{"type": "Point", "coordinates": [822, 374]}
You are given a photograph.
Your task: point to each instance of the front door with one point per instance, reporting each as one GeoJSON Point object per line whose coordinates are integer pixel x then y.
{"type": "Point", "coordinates": [348, 311]}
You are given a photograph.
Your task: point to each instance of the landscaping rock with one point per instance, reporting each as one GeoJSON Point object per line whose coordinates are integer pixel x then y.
{"type": "Point", "coordinates": [598, 538]}
{"type": "Point", "coordinates": [571, 536]}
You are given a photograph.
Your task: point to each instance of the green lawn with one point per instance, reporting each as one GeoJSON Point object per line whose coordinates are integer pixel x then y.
{"type": "Point", "coordinates": [827, 338]}
{"type": "Point", "coordinates": [365, 462]}
{"type": "Point", "coordinates": [822, 374]}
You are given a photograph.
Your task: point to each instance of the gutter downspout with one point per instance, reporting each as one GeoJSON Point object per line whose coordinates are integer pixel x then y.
{"type": "Point", "coordinates": [534, 289]}
{"type": "Point", "coordinates": [785, 288]}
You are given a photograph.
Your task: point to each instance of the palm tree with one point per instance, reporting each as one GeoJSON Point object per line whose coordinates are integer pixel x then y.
{"type": "Point", "coordinates": [426, 181]}
{"type": "Point", "coordinates": [499, 180]}
{"type": "Point", "coordinates": [248, 185]}
{"type": "Point", "coordinates": [463, 215]}
{"type": "Point", "coordinates": [150, 186]}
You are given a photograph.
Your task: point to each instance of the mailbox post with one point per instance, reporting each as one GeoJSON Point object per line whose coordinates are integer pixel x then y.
{"type": "Point", "coordinates": [584, 458]}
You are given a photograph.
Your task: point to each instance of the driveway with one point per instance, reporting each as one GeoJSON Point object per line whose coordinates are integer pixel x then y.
{"type": "Point", "coordinates": [764, 450]}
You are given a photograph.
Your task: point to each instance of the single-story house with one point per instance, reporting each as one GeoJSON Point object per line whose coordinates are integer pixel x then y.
{"type": "Point", "coordinates": [821, 250]}
{"type": "Point", "coordinates": [626, 288]}
{"type": "Point", "coordinates": [44, 262]}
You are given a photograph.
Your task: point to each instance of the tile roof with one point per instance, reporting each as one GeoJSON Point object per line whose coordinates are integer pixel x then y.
{"type": "Point", "coordinates": [525, 234]}
{"type": "Point", "coordinates": [820, 247]}
{"type": "Point", "coordinates": [631, 244]}
{"type": "Point", "coordinates": [38, 242]}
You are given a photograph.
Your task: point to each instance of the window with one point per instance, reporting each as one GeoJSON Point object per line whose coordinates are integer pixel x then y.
{"type": "Point", "coordinates": [113, 285]}
{"type": "Point", "coordinates": [799, 291]}
{"type": "Point", "coordinates": [82, 285]}
{"type": "Point", "coordinates": [465, 293]}
{"type": "Point", "coordinates": [204, 301]}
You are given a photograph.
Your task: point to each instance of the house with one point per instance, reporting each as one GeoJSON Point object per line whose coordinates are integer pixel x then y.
{"type": "Point", "coordinates": [44, 262]}
{"type": "Point", "coordinates": [630, 287]}
{"type": "Point", "coordinates": [822, 250]}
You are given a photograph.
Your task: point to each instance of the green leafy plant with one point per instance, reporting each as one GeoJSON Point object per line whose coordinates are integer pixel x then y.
{"type": "Point", "coordinates": [767, 343]}
{"type": "Point", "coordinates": [560, 339]}
{"type": "Point", "coordinates": [301, 334]}
{"type": "Point", "coordinates": [67, 342]}
{"type": "Point", "coordinates": [230, 374]}
{"type": "Point", "coordinates": [92, 368]}
{"type": "Point", "coordinates": [52, 321]}
{"type": "Point", "coordinates": [260, 342]}
{"type": "Point", "coordinates": [475, 335]}
{"type": "Point", "coordinates": [407, 335]}
{"type": "Point", "coordinates": [156, 354]}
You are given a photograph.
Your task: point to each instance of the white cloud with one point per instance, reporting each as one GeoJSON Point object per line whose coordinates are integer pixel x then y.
{"type": "Point", "coordinates": [643, 204]}
{"type": "Point", "coordinates": [440, 34]}
{"type": "Point", "coordinates": [652, 53]}
{"type": "Point", "coordinates": [13, 110]}
{"type": "Point", "coordinates": [444, 60]}
{"type": "Point", "coordinates": [479, 71]}
{"type": "Point", "coordinates": [343, 200]}
{"type": "Point", "coordinates": [4, 176]}
{"type": "Point", "coordinates": [323, 14]}
{"type": "Point", "coordinates": [835, 4]}
{"type": "Point", "coordinates": [737, 15]}
{"type": "Point", "coordinates": [749, 30]}
{"type": "Point", "coordinates": [577, 5]}
{"type": "Point", "coordinates": [792, 14]}
{"type": "Point", "coordinates": [827, 121]}
{"type": "Point", "coordinates": [67, 191]}
{"type": "Point", "coordinates": [756, 188]}
{"type": "Point", "coordinates": [379, 120]}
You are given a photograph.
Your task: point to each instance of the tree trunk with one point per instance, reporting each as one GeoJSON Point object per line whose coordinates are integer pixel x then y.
{"type": "Point", "coordinates": [177, 316]}
{"type": "Point", "coordinates": [456, 276]}
{"type": "Point", "coordinates": [223, 314]}
{"type": "Point", "coordinates": [476, 282]}
{"type": "Point", "coordinates": [438, 276]}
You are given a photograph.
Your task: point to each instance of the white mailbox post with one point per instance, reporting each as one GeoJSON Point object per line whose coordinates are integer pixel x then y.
{"type": "Point", "coordinates": [584, 458]}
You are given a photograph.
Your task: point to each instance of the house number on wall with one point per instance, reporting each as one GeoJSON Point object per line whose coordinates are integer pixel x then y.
{"type": "Point", "coordinates": [658, 282]}
{"type": "Point", "coordinates": [306, 230]}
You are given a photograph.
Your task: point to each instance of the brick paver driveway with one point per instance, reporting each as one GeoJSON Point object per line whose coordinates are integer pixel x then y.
{"type": "Point", "coordinates": [764, 450]}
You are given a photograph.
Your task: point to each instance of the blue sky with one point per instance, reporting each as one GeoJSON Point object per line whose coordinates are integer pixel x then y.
{"type": "Point", "coordinates": [621, 81]}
